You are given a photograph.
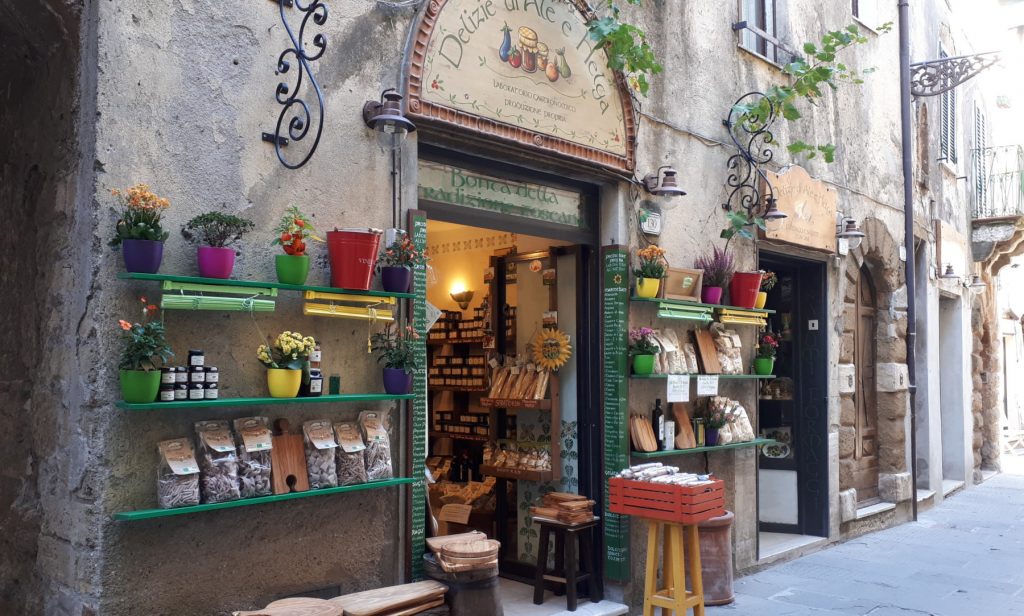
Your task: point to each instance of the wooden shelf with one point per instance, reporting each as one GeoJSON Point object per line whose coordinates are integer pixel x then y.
{"type": "Point", "coordinates": [233, 402]}
{"type": "Point", "coordinates": [501, 403]}
{"type": "Point", "coordinates": [258, 284]}
{"type": "Point", "coordinates": [456, 341]}
{"type": "Point", "coordinates": [682, 452]}
{"type": "Point", "coordinates": [460, 437]}
{"type": "Point", "coordinates": [146, 514]}
{"type": "Point", "coordinates": [434, 388]}
{"type": "Point", "coordinates": [721, 377]}
{"type": "Point", "coordinates": [516, 473]}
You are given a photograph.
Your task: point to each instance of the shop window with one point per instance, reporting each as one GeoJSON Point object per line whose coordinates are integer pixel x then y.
{"type": "Point", "coordinates": [865, 474]}
{"type": "Point", "coordinates": [947, 129]}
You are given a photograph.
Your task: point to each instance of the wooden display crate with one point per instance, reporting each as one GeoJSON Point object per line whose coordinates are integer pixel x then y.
{"type": "Point", "coordinates": [671, 503]}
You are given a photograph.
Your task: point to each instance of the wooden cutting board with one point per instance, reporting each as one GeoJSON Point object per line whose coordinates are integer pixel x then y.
{"type": "Point", "coordinates": [418, 609]}
{"type": "Point", "coordinates": [471, 549]}
{"type": "Point", "coordinates": [685, 438]}
{"type": "Point", "coordinates": [436, 543]}
{"type": "Point", "coordinates": [643, 434]}
{"type": "Point", "coordinates": [706, 351]}
{"type": "Point", "coordinates": [288, 460]}
{"type": "Point", "coordinates": [563, 496]}
{"type": "Point", "coordinates": [459, 567]}
{"type": "Point", "coordinates": [387, 600]}
{"type": "Point", "coordinates": [299, 606]}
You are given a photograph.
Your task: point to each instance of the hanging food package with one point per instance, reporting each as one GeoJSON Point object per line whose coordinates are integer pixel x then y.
{"type": "Point", "coordinates": [351, 460]}
{"type": "Point", "coordinates": [253, 437]}
{"type": "Point", "coordinates": [318, 435]}
{"type": "Point", "coordinates": [218, 462]}
{"type": "Point", "coordinates": [177, 479]}
{"type": "Point", "coordinates": [378, 446]}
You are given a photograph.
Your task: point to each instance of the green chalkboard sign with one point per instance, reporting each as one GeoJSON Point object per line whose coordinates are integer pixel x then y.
{"type": "Point", "coordinates": [615, 380]}
{"type": "Point", "coordinates": [418, 233]}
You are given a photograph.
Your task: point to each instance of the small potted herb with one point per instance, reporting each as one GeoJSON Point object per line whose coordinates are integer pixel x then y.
{"type": "Point", "coordinates": [145, 350]}
{"type": "Point", "coordinates": [396, 263]}
{"type": "Point", "coordinates": [650, 271]}
{"type": "Point", "coordinates": [285, 358]}
{"type": "Point", "coordinates": [292, 232]}
{"type": "Point", "coordinates": [213, 231]}
{"type": "Point", "coordinates": [718, 268]}
{"type": "Point", "coordinates": [138, 231]}
{"type": "Point", "coordinates": [715, 418]}
{"type": "Point", "coordinates": [643, 348]}
{"type": "Point", "coordinates": [767, 348]}
{"type": "Point", "coordinates": [768, 282]}
{"type": "Point", "coordinates": [394, 349]}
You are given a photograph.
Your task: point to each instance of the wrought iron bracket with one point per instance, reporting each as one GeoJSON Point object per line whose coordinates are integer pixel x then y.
{"type": "Point", "coordinates": [297, 117]}
{"type": "Point", "coordinates": [752, 137]}
{"type": "Point", "coordinates": [934, 77]}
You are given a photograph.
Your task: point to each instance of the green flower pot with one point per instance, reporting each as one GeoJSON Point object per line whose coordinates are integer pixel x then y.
{"type": "Point", "coordinates": [292, 269]}
{"type": "Point", "coordinates": [763, 366]}
{"type": "Point", "coordinates": [643, 364]}
{"type": "Point", "coordinates": [140, 386]}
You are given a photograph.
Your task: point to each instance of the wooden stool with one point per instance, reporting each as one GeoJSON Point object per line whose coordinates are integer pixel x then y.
{"type": "Point", "coordinates": [567, 562]}
{"type": "Point", "coordinates": [673, 598]}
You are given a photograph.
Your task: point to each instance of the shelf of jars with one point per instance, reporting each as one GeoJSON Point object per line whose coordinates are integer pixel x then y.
{"type": "Point", "coordinates": [267, 401]}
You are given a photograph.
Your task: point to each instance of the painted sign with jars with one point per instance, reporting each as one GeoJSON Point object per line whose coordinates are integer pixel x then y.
{"type": "Point", "coordinates": [522, 70]}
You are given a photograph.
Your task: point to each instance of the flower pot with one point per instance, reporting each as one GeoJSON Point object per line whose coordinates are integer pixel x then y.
{"type": "Point", "coordinates": [743, 289]}
{"type": "Point", "coordinates": [643, 364]}
{"type": "Point", "coordinates": [283, 382]}
{"type": "Point", "coordinates": [140, 386]}
{"type": "Point", "coordinates": [711, 295]}
{"type": "Point", "coordinates": [215, 262]}
{"type": "Point", "coordinates": [292, 269]}
{"type": "Point", "coordinates": [648, 287]}
{"type": "Point", "coordinates": [142, 256]}
{"type": "Point", "coordinates": [353, 255]}
{"type": "Point", "coordinates": [710, 437]}
{"type": "Point", "coordinates": [397, 382]}
{"type": "Point", "coordinates": [762, 299]}
{"type": "Point", "coordinates": [763, 366]}
{"type": "Point", "coordinates": [395, 278]}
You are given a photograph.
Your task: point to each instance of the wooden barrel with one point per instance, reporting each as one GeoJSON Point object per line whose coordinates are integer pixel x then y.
{"type": "Point", "coordinates": [470, 593]}
{"type": "Point", "coordinates": [716, 559]}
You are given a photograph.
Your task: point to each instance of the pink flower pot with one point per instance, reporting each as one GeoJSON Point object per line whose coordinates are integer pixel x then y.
{"type": "Point", "coordinates": [216, 262]}
{"type": "Point", "coordinates": [711, 295]}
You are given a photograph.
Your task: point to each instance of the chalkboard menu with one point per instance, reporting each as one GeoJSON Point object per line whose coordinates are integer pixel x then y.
{"type": "Point", "coordinates": [615, 382]}
{"type": "Point", "coordinates": [418, 234]}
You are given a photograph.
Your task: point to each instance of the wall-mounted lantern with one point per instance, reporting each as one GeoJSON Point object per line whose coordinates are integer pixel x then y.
{"type": "Point", "coordinates": [662, 183]}
{"type": "Point", "coordinates": [386, 118]}
{"type": "Point", "coordinates": [848, 229]}
{"type": "Point", "coordinates": [976, 285]}
{"type": "Point", "coordinates": [949, 273]}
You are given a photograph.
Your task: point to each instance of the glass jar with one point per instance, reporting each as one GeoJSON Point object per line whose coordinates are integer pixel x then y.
{"type": "Point", "coordinates": [196, 391]}
{"type": "Point", "coordinates": [212, 374]}
{"type": "Point", "coordinates": [181, 391]}
{"type": "Point", "coordinates": [181, 374]}
{"type": "Point", "coordinates": [197, 374]}
{"type": "Point", "coordinates": [167, 392]}
{"type": "Point", "coordinates": [211, 391]}
{"type": "Point", "coordinates": [168, 376]}
{"type": "Point", "coordinates": [196, 357]}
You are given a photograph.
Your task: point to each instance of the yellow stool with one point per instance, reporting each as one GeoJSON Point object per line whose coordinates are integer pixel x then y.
{"type": "Point", "coordinates": [673, 599]}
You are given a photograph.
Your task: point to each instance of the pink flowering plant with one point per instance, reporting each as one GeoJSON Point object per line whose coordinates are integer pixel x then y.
{"type": "Point", "coordinates": [641, 342]}
{"type": "Point", "coordinates": [767, 345]}
{"type": "Point", "coordinates": [714, 416]}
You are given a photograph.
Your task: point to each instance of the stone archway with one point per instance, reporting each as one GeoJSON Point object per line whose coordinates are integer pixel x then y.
{"type": "Point", "coordinates": [877, 257]}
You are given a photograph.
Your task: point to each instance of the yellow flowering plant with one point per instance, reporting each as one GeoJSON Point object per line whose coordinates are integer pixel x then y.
{"type": "Point", "coordinates": [652, 262]}
{"type": "Point", "coordinates": [289, 350]}
{"type": "Point", "coordinates": [141, 211]}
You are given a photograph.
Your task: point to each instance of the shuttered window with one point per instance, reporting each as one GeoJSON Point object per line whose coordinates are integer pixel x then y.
{"type": "Point", "coordinates": [761, 15]}
{"type": "Point", "coordinates": [980, 161]}
{"type": "Point", "coordinates": [947, 136]}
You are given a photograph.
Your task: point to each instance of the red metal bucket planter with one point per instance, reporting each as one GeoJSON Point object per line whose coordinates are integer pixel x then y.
{"type": "Point", "coordinates": [353, 256]}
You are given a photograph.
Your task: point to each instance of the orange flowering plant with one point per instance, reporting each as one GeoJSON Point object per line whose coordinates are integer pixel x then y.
{"type": "Point", "coordinates": [652, 262]}
{"type": "Point", "coordinates": [141, 211]}
{"type": "Point", "coordinates": [394, 347]}
{"type": "Point", "coordinates": [292, 232]}
{"type": "Point", "coordinates": [145, 344]}
{"type": "Point", "coordinates": [402, 253]}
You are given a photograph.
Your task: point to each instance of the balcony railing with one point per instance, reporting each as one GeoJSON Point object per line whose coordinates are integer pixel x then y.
{"type": "Point", "coordinates": [997, 181]}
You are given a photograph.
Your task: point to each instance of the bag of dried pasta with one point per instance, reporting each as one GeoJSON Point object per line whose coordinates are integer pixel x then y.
{"type": "Point", "coordinates": [218, 461]}
{"type": "Point", "coordinates": [351, 461]}
{"type": "Point", "coordinates": [253, 438]}
{"type": "Point", "coordinates": [177, 479]}
{"type": "Point", "coordinates": [318, 435]}
{"type": "Point", "coordinates": [378, 446]}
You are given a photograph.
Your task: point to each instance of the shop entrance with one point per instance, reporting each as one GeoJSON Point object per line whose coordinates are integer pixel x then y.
{"type": "Point", "coordinates": [505, 426]}
{"type": "Point", "coordinates": [793, 409]}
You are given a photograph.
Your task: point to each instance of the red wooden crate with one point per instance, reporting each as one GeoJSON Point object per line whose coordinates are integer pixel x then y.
{"type": "Point", "coordinates": [661, 501]}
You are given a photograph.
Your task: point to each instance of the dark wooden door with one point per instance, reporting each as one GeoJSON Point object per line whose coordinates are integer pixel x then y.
{"type": "Point", "coordinates": [865, 476]}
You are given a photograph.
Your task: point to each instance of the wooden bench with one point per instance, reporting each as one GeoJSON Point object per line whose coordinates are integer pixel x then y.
{"type": "Point", "coordinates": [420, 599]}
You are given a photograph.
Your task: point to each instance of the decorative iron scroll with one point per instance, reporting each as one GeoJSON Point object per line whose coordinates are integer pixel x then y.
{"type": "Point", "coordinates": [935, 77]}
{"type": "Point", "coordinates": [752, 137]}
{"type": "Point", "coordinates": [295, 111]}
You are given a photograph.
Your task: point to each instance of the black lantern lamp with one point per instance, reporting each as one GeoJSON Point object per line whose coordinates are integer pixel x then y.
{"type": "Point", "coordinates": [386, 118]}
{"type": "Point", "coordinates": [850, 231]}
{"type": "Point", "coordinates": [949, 274]}
{"type": "Point", "coordinates": [667, 186]}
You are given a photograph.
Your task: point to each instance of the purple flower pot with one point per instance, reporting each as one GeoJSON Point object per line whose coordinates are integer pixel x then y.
{"type": "Point", "coordinates": [216, 262]}
{"type": "Point", "coordinates": [397, 381]}
{"type": "Point", "coordinates": [711, 295]}
{"type": "Point", "coordinates": [142, 256]}
{"type": "Point", "coordinates": [710, 437]}
{"type": "Point", "coordinates": [395, 279]}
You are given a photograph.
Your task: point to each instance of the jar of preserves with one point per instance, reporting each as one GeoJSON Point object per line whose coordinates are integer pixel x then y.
{"type": "Point", "coordinates": [196, 357]}
{"type": "Point", "coordinates": [181, 391]}
{"type": "Point", "coordinates": [196, 391]}
{"type": "Point", "coordinates": [197, 374]}
{"type": "Point", "coordinates": [211, 391]}
{"type": "Point", "coordinates": [167, 392]}
{"type": "Point", "coordinates": [212, 374]}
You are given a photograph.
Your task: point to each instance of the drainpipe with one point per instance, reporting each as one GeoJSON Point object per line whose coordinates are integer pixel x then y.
{"type": "Point", "coordinates": [908, 240]}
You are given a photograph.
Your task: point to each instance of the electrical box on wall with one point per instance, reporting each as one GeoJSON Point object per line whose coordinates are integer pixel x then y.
{"type": "Point", "coordinates": [650, 222]}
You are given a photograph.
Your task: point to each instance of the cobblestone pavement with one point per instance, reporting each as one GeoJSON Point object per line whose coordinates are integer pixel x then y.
{"type": "Point", "coordinates": [964, 557]}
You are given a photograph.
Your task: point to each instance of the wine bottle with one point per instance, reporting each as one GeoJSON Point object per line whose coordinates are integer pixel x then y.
{"type": "Point", "coordinates": [658, 423]}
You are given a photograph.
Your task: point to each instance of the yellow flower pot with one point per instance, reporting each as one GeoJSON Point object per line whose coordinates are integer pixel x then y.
{"type": "Point", "coordinates": [283, 383]}
{"type": "Point", "coordinates": [648, 287]}
{"type": "Point", "coordinates": [762, 298]}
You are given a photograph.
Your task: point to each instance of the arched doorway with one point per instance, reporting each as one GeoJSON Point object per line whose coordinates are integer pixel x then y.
{"type": "Point", "coordinates": [865, 454]}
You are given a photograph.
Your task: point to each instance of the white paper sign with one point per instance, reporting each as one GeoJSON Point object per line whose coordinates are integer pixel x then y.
{"type": "Point", "coordinates": [433, 314]}
{"type": "Point", "coordinates": [707, 385]}
{"type": "Point", "coordinates": [678, 388]}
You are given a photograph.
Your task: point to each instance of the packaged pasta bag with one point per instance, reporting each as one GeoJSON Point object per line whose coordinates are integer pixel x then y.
{"type": "Point", "coordinates": [218, 461]}
{"type": "Point", "coordinates": [350, 458]}
{"type": "Point", "coordinates": [253, 438]}
{"type": "Point", "coordinates": [177, 478]}
{"type": "Point", "coordinates": [378, 446]}
{"type": "Point", "coordinates": [318, 435]}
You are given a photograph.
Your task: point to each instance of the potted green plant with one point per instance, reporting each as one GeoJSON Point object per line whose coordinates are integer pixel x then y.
{"type": "Point", "coordinates": [650, 270]}
{"type": "Point", "coordinates": [292, 233]}
{"type": "Point", "coordinates": [213, 231]}
{"type": "Point", "coordinates": [643, 348]}
{"type": "Point", "coordinates": [396, 262]}
{"type": "Point", "coordinates": [284, 358]}
{"type": "Point", "coordinates": [718, 268]}
{"type": "Point", "coordinates": [768, 282]}
{"type": "Point", "coordinates": [767, 348]}
{"type": "Point", "coordinates": [714, 419]}
{"type": "Point", "coordinates": [138, 232]}
{"type": "Point", "coordinates": [145, 350]}
{"type": "Point", "coordinates": [395, 350]}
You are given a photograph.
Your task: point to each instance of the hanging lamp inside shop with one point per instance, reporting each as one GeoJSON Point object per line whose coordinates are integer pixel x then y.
{"type": "Point", "coordinates": [386, 118]}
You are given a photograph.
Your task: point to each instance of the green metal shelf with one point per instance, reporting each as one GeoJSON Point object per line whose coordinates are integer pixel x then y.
{"type": "Point", "coordinates": [231, 402]}
{"type": "Point", "coordinates": [679, 302]}
{"type": "Point", "coordinates": [258, 284]}
{"type": "Point", "coordinates": [146, 514]}
{"type": "Point", "coordinates": [682, 452]}
{"type": "Point", "coordinates": [721, 377]}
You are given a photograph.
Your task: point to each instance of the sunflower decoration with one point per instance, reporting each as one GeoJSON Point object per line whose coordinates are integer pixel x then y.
{"type": "Point", "coordinates": [551, 349]}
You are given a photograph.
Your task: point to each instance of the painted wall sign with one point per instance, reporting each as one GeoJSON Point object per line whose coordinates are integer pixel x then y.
{"type": "Point", "coordinates": [525, 71]}
{"type": "Point", "coordinates": [810, 206]}
{"type": "Point", "coordinates": [454, 186]}
{"type": "Point", "coordinates": [417, 223]}
{"type": "Point", "coordinates": [615, 385]}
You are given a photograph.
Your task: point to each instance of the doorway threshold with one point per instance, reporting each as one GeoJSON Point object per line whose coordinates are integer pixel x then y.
{"type": "Point", "coordinates": [951, 485]}
{"type": "Point", "coordinates": [517, 600]}
{"type": "Point", "coordinates": [774, 546]}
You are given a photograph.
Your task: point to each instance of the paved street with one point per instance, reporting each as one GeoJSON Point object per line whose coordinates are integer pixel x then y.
{"type": "Point", "coordinates": [963, 558]}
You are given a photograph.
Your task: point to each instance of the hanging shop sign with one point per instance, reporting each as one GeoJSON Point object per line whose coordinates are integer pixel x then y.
{"type": "Point", "coordinates": [522, 71]}
{"type": "Point", "coordinates": [810, 206]}
{"type": "Point", "coordinates": [450, 185]}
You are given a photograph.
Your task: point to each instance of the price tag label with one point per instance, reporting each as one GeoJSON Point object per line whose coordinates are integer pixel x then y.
{"type": "Point", "coordinates": [678, 388]}
{"type": "Point", "coordinates": [707, 385]}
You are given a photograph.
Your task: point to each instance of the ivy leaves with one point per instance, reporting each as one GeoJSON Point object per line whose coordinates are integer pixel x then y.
{"type": "Point", "coordinates": [626, 46]}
